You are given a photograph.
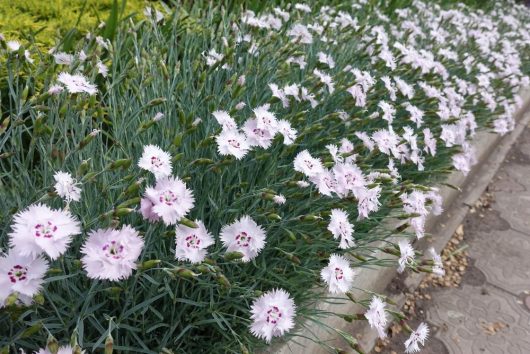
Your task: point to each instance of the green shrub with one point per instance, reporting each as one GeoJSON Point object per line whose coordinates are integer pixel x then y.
{"type": "Point", "coordinates": [466, 69]}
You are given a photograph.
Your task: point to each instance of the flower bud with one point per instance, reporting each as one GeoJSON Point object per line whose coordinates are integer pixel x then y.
{"type": "Point", "coordinates": [109, 344]}
{"type": "Point", "coordinates": [52, 344]}
{"type": "Point", "coordinates": [188, 223]}
{"type": "Point", "coordinates": [149, 264]}
{"type": "Point", "coordinates": [231, 256]}
{"type": "Point", "coordinates": [123, 163]}
{"type": "Point", "coordinates": [225, 283]}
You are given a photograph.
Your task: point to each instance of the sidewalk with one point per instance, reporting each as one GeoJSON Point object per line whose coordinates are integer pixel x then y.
{"type": "Point", "coordinates": [489, 311]}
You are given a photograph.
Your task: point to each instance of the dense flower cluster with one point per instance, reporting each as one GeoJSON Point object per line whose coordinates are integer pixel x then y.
{"type": "Point", "coordinates": [190, 178]}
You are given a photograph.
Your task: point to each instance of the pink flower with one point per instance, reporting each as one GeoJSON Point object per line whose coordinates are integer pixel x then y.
{"type": "Point", "coordinates": [21, 274]}
{"type": "Point", "coordinates": [272, 314]}
{"type": "Point", "coordinates": [170, 199]}
{"type": "Point", "coordinates": [40, 229]}
{"type": "Point", "coordinates": [244, 236]}
{"type": "Point", "coordinates": [111, 254]}
{"type": "Point", "coordinates": [192, 243]}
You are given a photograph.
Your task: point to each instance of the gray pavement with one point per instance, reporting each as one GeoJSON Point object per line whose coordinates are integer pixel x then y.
{"type": "Point", "coordinates": [489, 312]}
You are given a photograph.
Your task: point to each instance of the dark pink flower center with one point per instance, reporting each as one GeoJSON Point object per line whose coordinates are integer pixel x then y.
{"type": "Point", "coordinates": [339, 274]}
{"type": "Point", "coordinates": [259, 132]}
{"type": "Point", "coordinates": [343, 229]}
{"type": "Point", "coordinates": [113, 249]}
{"type": "Point", "coordinates": [155, 161]}
{"type": "Point", "coordinates": [45, 230]}
{"type": "Point", "coordinates": [243, 239]}
{"type": "Point", "coordinates": [192, 241]}
{"type": "Point", "coordinates": [234, 143]}
{"type": "Point", "coordinates": [274, 315]}
{"type": "Point", "coordinates": [168, 197]}
{"type": "Point", "coordinates": [17, 273]}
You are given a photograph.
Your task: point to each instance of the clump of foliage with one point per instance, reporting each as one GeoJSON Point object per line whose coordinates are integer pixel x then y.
{"type": "Point", "coordinates": [318, 129]}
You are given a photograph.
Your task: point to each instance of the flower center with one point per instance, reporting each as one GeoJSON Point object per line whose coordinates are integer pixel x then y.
{"type": "Point", "coordinates": [192, 241]}
{"type": "Point", "coordinates": [243, 239]}
{"type": "Point", "coordinates": [309, 164]}
{"type": "Point", "coordinates": [343, 229]}
{"type": "Point", "coordinates": [274, 315]}
{"type": "Point", "coordinates": [155, 161]}
{"type": "Point", "coordinates": [17, 273]}
{"type": "Point", "coordinates": [234, 143]}
{"type": "Point", "coordinates": [45, 230]}
{"type": "Point", "coordinates": [259, 132]}
{"type": "Point", "coordinates": [168, 197]}
{"type": "Point", "coordinates": [113, 249]}
{"type": "Point", "coordinates": [339, 274]}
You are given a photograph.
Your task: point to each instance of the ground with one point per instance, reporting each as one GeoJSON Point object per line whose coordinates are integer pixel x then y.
{"type": "Point", "coordinates": [483, 304]}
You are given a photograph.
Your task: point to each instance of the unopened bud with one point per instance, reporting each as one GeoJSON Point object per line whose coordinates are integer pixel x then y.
{"type": "Point", "coordinates": [149, 264]}
{"type": "Point", "coordinates": [52, 344]}
{"type": "Point", "coordinates": [109, 344]}
{"type": "Point", "coordinates": [231, 256]}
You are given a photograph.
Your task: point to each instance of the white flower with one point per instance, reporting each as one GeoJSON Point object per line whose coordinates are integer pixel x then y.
{"type": "Point", "coordinates": [272, 314]}
{"type": "Point", "coordinates": [213, 57]}
{"type": "Point", "coordinates": [300, 61]}
{"type": "Point", "coordinates": [111, 254]}
{"type": "Point", "coordinates": [158, 117]}
{"type": "Point", "coordinates": [341, 228]}
{"type": "Point", "coordinates": [406, 255]}
{"type": "Point", "coordinates": [368, 201]}
{"type": "Point", "coordinates": [63, 58]}
{"type": "Point", "coordinates": [388, 111]}
{"type": "Point", "coordinates": [302, 7]}
{"type": "Point", "coordinates": [55, 89]}
{"type": "Point", "coordinates": [13, 46]}
{"type": "Point", "coordinates": [358, 94]}
{"type": "Point", "coordinates": [192, 243]}
{"type": "Point", "coordinates": [77, 83]}
{"type": "Point", "coordinates": [349, 177]}
{"type": "Point", "coordinates": [244, 236]}
{"type": "Point", "coordinates": [417, 337]}
{"type": "Point", "coordinates": [256, 136]}
{"type": "Point", "coordinates": [156, 161]}
{"type": "Point", "coordinates": [300, 34]}
{"type": "Point", "coordinates": [338, 274]}
{"type": "Point", "coordinates": [21, 274]}
{"type": "Point", "coordinates": [265, 119]}
{"type": "Point", "coordinates": [232, 142]}
{"type": "Point", "coordinates": [302, 184]}
{"type": "Point", "coordinates": [289, 134]}
{"type": "Point", "coordinates": [224, 119]}
{"type": "Point", "coordinates": [27, 55]}
{"type": "Point", "coordinates": [325, 79]}
{"type": "Point", "coordinates": [326, 59]}
{"type": "Point", "coordinates": [102, 69]}
{"type": "Point", "coordinates": [376, 316]}
{"type": "Point", "coordinates": [66, 186]}
{"type": "Point", "coordinates": [416, 115]}
{"type": "Point", "coordinates": [429, 141]}
{"type": "Point", "coordinates": [279, 94]}
{"type": "Point", "coordinates": [279, 199]}
{"type": "Point", "coordinates": [67, 349]}
{"type": "Point", "coordinates": [170, 199]}
{"type": "Point", "coordinates": [308, 165]}
{"type": "Point", "coordinates": [152, 13]}
{"type": "Point", "coordinates": [325, 182]}
{"type": "Point", "coordinates": [438, 266]}
{"type": "Point", "coordinates": [39, 229]}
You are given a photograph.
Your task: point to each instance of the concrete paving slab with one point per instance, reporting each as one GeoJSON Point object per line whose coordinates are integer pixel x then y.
{"type": "Point", "coordinates": [480, 320]}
